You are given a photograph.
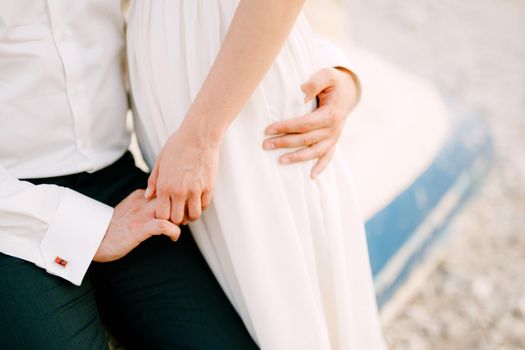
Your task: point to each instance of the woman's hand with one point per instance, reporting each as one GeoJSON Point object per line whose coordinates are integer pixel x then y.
{"type": "Point", "coordinates": [317, 133]}
{"type": "Point", "coordinates": [184, 176]}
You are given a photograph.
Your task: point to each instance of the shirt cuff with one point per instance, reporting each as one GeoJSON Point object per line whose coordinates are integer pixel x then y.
{"type": "Point", "coordinates": [74, 235]}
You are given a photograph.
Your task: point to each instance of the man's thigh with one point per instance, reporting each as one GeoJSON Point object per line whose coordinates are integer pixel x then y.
{"type": "Point", "coordinates": [163, 295]}
{"type": "Point", "coordinates": [41, 311]}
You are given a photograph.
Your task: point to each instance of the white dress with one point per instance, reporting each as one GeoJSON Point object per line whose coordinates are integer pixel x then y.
{"type": "Point", "coordinates": [289, 252]}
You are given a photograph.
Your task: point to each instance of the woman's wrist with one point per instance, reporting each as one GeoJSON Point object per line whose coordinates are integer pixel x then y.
{"type": "Point", "coordinates": [203, 130]}
{"type": "Point", "coordinates": [355, 80]}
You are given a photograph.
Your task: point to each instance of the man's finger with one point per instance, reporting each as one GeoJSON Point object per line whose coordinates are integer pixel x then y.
{"type": "Point", "coordinates": [322, 163]}
{"type": "Point", "coordinates": [137, 194]}
{"type": "Point", "coordinates": [317, 83]}
{"type": "Point", "coordinates": [296, 140]}
{"type": "Point", "coordinates": [309, 153]}
{"type": "Point", "coordinates": [158, 227]}
{"type": "Point", "coordinates": [319, 118]}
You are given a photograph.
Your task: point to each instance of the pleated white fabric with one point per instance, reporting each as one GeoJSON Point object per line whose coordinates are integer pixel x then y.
{"type": "Point", "coordinates": [289, 252]}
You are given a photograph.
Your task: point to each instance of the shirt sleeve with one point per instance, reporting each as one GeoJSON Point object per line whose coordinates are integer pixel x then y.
{"type": "Point", "coordinates": [56, 228]}
{"type": "Point", "coordinates": [331, 55]}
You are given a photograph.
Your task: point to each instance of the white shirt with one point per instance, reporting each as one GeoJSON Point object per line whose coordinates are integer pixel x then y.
{"type": "Point", "coordinates": [62, 111]}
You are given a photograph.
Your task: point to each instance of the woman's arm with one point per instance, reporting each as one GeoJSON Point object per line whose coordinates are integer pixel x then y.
{"type": "Point", "coordinates": [183, 183]}
{"type": "Point", "coordinates": [256, 35]}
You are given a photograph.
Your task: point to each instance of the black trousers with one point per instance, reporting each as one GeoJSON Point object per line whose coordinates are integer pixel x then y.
{"type": "Point", "coordinates": [160, 296]}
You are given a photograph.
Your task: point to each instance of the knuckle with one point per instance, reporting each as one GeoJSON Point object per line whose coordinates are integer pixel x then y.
{"type": "Point", "coordinates": [163, 226]}
{"type": "Point", "coordinates": [195, 189]}
{"type": "Point", "coordinates": [294, 157]}
{"type": "Point", "coordinates": [137, 194]}
{"type": "Point", "coordinates": [327, 74]}
{"type": "Point", "coordinates": [134, 211]}
{"type": "Point", "coordinates": [178, 191]}
{"type": "Point", "coordinates": [311, 139]}
{"type": "Point", "coordinates": [176, 215]}
{"type": "Point", "coordinates": [309, 125]}
{"type": "Point", "coordinates": [305, 140]}
{"type": "Point", "coordinates": [302, 127]}
{"type": "Point", "coordinates": [309, 85]}
{"type": "Point", "coordinates": [162, 190]}
{"type": "Point", "coordinates": [162, 214]}
{"type": "Point", "coordinates": [285, 129]}
{"type": "Point", "coordinates": [319, 153]}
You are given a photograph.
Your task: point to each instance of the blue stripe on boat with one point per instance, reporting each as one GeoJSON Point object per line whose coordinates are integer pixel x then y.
{"type": "Point", "coordinates": [440, 192]}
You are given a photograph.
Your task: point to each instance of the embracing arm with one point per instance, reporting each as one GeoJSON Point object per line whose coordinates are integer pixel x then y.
{"type": "Point", "coordinates": [183, 177]}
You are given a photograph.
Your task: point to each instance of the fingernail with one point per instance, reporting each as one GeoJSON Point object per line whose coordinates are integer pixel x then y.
{"type": "Point", "coordinates": [271, 132]}
{"type": "Point", "coordinates": [269, 145]}
{"type": "Point", "coordinates": [147, 194]}
{"type": "Point", "coordinates": [285, 160]}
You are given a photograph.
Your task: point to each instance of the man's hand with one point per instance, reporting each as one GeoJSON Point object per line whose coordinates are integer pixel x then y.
{"type": "Point", "coordinates": [317, 133]}
{"type": "Point", "coordinates": [132, 223]}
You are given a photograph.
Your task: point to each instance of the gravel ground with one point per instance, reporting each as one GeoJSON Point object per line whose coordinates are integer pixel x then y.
{"type": "Point", "coordinates": [473, 50]}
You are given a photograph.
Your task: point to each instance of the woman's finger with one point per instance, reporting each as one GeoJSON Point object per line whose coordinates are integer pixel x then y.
{"type": "Point", "coordinates": [163, 208]}
{"type": "Point", "coordinates": [152, 182]}
{"type": "Point", "coordinates": [322, 117]}
{"type": "Point", "coordinates": [315, 151]}
{"type": "Point", "coordinates": [322, 163]}
{"type": "Point", "coordinates": [194, 206]}
{"type": "Point", "coordinates": [320, 81]}
{"type": "Point", "coordinates": [296, 140]}
{"type": "Point", "coordinates": [178, 202]}
{"type": "Point", "coordinates": [205, 199]}
{"type": "Point", "coordinates": [185, 218]}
